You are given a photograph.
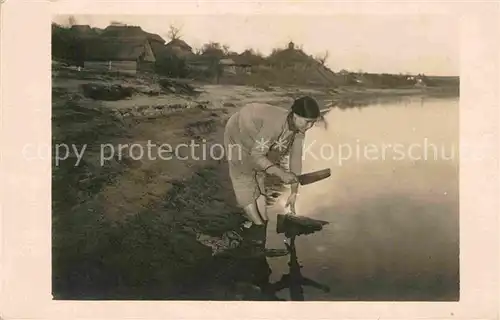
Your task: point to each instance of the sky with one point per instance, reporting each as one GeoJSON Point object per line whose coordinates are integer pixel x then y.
{"type": "Point", "coordinates": [413, 44]}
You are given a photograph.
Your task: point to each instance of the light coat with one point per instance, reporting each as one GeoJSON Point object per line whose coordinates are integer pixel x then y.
{"type": "Point", "coordinates": [250, 135]}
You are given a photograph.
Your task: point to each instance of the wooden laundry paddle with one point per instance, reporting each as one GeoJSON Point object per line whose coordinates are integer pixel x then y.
{"type": "Point", "coordinates": [311, 177]}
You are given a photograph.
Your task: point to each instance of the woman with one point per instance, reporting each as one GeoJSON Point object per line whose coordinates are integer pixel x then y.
{"type": "Point", "coordinates": [250, 134]}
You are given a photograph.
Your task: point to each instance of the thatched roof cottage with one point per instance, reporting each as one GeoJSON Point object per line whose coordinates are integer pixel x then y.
{"type": "Point", "coordinates": [179, 47]}
{"type": "Point", "coordinates": [120, 55]}
{"type": "Point", "coordinates": [291, 57]}
{"type": "Point", "coordinates": [235, 64]}
{"type": "Point", "coordinates": [124, 49]}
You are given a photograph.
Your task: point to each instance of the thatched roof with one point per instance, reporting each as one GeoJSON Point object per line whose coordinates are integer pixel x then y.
{"type": "Point", "coordinates": [291, 56]}
{"type": "Point", "coordinates": [246, 58]}
{"type": "Point", "coordinates": [180, 44]}
{"type": "Point", "coordinates": [159, 50]}
{"type": "Point", "coordinates": [130, 32]}
{"type": "Point", "coordinates": [236, 59]}
{"type": "Point", "coordinates": [83, 31]}
{"type": "Point", "coordinates": [114, 49]}
{"type": "Point", "coordinates": [123, 43]}
{"type": "Point", "coordinates": [227, 62]}
{"type": "Point", "coordinates": [196, 59]}
{"type": "Point", "coordinates": [82, 28]}
{"type": "Point", "coordinates": [251, 58]}
{"type": "Point", "coordinates": [155, 37]}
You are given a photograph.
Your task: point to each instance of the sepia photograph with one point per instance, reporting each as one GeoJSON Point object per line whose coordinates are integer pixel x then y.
{"type": "Point", "coordinates": [255, 157]}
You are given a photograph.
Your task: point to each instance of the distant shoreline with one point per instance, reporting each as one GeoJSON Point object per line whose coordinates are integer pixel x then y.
{"type": "Point", "coordinates": [353, 97]}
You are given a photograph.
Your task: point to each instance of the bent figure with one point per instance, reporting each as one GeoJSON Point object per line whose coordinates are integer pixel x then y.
{"type": "Point", "coordinates": [250, 134]}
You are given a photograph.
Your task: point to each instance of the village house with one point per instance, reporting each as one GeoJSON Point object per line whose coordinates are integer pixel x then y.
{"type": "Point", "coordinates": [68, 44]}
{"type": "Point", "coordinates": [228, 66]}
{"type": "Point", "coordinates": [120, 55]}
{"type": "Point", "coordinates": [179, 47]}
{"type": "Point", "coordinates": [200, 63]}
{"type": "Point", "coordinates": [84, 31]}
{"type": "Point", "coordinates": [126, 49]}
{"type": "Point", "coordinates": [219, 66]}
{"type": "Point", "coordinates": [251, 58]}
{"type": "Point", "coordinates": [418, 81]}
{"type": "Point", "coordinates": [292, 58]}
{"type": "Point", "coordinates": [235, 65]}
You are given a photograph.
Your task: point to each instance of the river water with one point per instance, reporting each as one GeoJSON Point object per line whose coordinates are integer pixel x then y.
{"type": "Point", "coordinates": [392, 204]}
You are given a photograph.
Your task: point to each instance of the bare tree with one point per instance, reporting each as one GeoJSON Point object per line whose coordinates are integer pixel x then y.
{"type": "Point", "coordinates": [174, 32]}
{"type": "Point", "coordinates": [321, 58]}
{"type": "Point", "coordinates": [213, 49]}
{"type": "Point", "coordinates": [276, 51]}
{"type": "Point", "coordinates": [248, 50]}
{"type": "Point", "coordinates": [72, 21]}
{"type": "Point", "coordinates": [197, 51]}
{"type": "Point", "coordinates": [225, 49]}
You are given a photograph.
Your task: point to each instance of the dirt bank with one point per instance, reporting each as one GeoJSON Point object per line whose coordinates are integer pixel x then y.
{"type": "Point", "coordinates": [152, 97]}
{"type": "Point", "coordinates": [148, 228]}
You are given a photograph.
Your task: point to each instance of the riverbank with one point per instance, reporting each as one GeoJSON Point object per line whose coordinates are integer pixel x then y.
{"type": "Point", "coordinates": [144, 228]}
{"type": "Point", "coordinates": [152, 97]}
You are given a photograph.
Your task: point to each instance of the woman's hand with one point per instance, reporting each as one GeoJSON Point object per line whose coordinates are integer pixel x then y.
{"type": "Point", "coordinates": [288, 177]}
{"type": "Point", "coordinates": [285, 176]}
{"type": "Point", "coordinates": [291, 202]}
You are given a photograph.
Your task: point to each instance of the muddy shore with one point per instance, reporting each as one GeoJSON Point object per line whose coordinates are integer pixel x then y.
{"type": "Point", "coordinates": [148, 228]}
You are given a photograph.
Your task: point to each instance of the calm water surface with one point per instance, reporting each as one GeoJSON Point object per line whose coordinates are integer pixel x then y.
{"type": "Point", "coordinates": [392, 202]}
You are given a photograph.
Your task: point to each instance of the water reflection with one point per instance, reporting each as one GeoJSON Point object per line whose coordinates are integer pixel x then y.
{"type": "Point", "coordinates": [294, 280]}
{"type": "Point", "coordinates": [247, 275]}
{"type": "Point", "coordinates": [359, 102]}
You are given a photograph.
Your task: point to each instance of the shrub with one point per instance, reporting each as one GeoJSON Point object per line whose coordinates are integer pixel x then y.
{"type": "Point", "coordinates": [172, 66]}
